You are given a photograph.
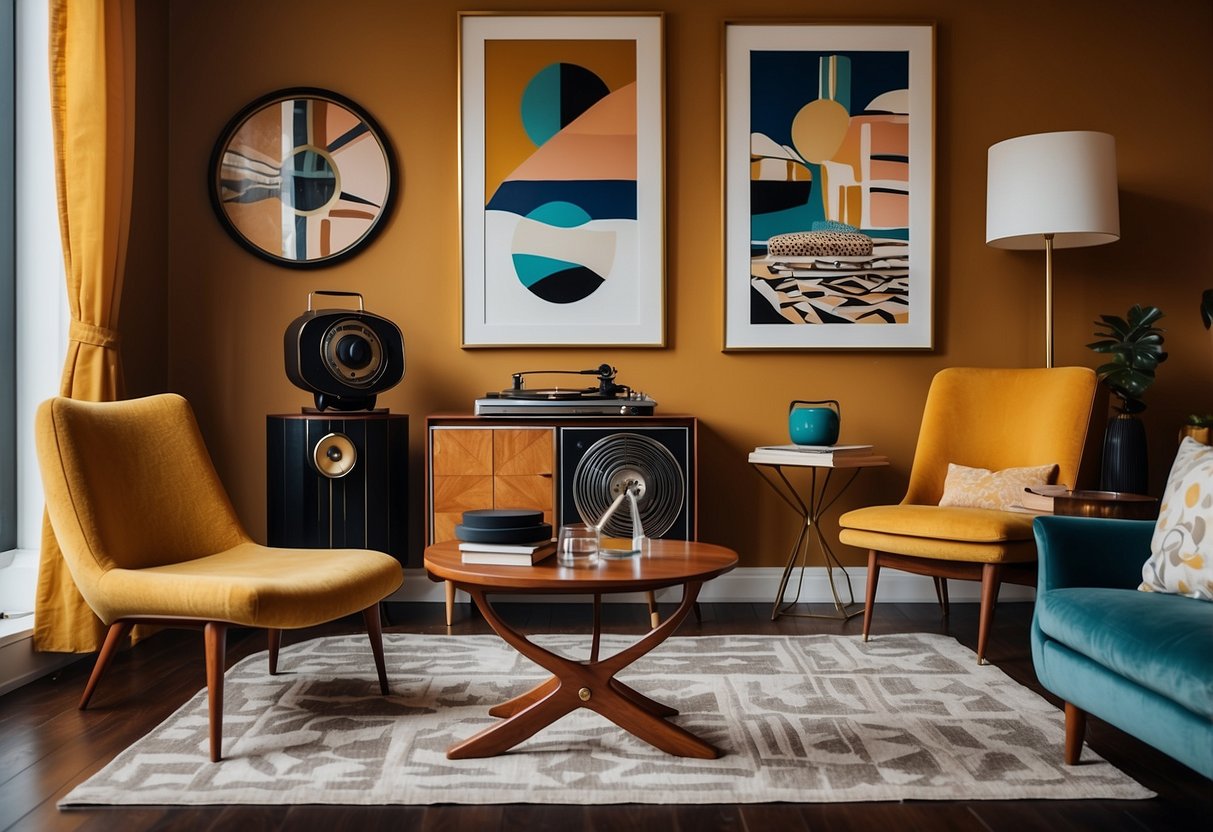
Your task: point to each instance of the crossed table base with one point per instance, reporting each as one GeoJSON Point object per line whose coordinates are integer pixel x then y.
{"type": "Point", "coordinates": [591, 683]}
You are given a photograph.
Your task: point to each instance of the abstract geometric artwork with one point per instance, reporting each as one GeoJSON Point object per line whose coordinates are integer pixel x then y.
{"type": "Point", "coordinates": [828, 179]}
{"type": "Point", "coordinates": [562, 197]}
{"type": "Point", "coordinates": [302, 177]}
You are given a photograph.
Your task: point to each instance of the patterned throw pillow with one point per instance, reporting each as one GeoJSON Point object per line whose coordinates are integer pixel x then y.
{"type": "Point", "coordinates": [820, 244]}
{"type": "Point", "coordinates": [981, 488]}
{"type": "Point", "coordinates": [1181, 551]}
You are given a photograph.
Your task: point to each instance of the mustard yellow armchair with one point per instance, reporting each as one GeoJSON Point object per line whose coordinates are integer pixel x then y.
{"type": "Point", "coordinates": [150, 536]}
{"type": "Point", "coordinates": [979, 418]}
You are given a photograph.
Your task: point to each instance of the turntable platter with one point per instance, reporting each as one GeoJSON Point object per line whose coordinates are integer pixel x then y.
{"type": "Point", "coordinates": [607, 399]}
{"type": "Point", "coordinates": [550, 394]}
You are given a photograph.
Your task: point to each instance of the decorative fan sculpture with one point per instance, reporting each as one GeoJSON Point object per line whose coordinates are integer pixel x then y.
{"type": "Point", "coordinates": [631, 468]}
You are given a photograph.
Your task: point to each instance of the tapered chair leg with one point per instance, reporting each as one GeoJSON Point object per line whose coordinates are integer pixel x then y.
{"type": "Point", "coordinates": [991, 580]}
{"type": "Point", "coordinates": [870, 598]}
{"type": "Point", "coordinates": [374, 629]}
{"type": "Point", "coordinates": [215, 636]}
{"type": "Point", "coordinates": [941, 593]}
{"type": "Point", "coordinates": [1076, 729]}
{"type": "Point", "coordinates": [274, 639]}
{"type": "Point", "coordinates": [113, 639]}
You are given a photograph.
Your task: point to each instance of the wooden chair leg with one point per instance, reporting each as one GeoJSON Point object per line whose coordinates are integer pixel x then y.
{"type": "Point", "coordinates": [274, 639]}
{"type": "Point", "coordinates": [1076, 729]}
{"type": "Point", "coordinates": [991, 580]}
{"type": "Point", "coordinates": [870, 597]}
{"type": "Point", "coordinates": [941, 593]}
{"type": "Point", "coordinates": [374, 629]}
{"type": "Point", "coordinates": [450, 602]}
{"type": "Point", "coordinates": [113, 639]}
{"type": "Point", "coordinates": [215, 636]}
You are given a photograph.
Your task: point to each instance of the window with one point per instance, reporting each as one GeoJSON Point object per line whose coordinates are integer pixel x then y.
{"type": "Point", "coordinates": [8, 286]}
{"type": "Point", "coordinates": [34, 303]}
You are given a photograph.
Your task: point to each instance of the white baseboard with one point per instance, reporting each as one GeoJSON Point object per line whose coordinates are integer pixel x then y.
{"type": "Point", "coordinates": [757, 584]}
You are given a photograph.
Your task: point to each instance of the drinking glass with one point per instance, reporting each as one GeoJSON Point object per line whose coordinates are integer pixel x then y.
{"type": "Point", "coordinates": [577, 545]}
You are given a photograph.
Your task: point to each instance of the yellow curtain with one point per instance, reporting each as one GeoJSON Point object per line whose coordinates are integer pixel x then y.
{"type": "Point", "coordinates": [92, 59]}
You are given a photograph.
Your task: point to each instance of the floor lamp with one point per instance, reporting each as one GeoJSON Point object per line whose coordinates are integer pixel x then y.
{"type": "Point", "coordinates": [1052, 190]}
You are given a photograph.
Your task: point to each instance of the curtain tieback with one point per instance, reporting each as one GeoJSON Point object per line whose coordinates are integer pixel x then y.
{"type": "Point", "coordinates": [98, 336]}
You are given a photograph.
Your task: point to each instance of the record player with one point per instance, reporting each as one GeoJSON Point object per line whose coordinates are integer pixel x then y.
{"type": "Point", "coordinates": [606, 399]}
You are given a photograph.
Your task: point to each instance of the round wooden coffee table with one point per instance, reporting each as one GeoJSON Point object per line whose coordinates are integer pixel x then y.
{"type": "Point", "coordinates": [585, 684]}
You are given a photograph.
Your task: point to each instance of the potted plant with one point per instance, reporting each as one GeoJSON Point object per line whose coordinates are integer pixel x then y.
{"type": "Point", "coordinates": [1134, 347]}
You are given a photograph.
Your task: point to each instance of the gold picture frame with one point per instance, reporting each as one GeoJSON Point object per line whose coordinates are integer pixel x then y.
{"type": "Point", "coordinates": [562, 179]}
{"type": "Point", "coordinates": [828, 185]}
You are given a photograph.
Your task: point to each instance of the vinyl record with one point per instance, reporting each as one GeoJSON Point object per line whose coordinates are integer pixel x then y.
{"type": "Point", "coordinates": [522, 534]}
{"type": "Point", "coordinates": [502, 518]}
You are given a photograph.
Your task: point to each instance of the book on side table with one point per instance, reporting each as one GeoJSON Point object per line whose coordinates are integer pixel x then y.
{"type": "Point", "coordinates": [506, 554]}
{"type": "Point", "coordinates": [823, 455]}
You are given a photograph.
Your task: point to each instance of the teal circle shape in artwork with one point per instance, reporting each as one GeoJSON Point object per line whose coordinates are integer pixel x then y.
{"type": "Point", "coordinates": [555, 279]}
{"type": "Point", "coordinates": [556, 96]}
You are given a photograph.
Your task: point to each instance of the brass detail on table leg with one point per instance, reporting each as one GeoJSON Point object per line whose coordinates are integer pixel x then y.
{"type": "Point", "coordinates": [584, 694]}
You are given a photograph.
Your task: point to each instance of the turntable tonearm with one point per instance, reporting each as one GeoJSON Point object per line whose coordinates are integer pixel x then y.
{"type": "Point", "coordinates": [606, 399]}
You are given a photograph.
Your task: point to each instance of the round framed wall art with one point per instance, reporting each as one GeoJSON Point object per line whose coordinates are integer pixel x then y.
{"type": "Point", "coordinates": [302, 177]}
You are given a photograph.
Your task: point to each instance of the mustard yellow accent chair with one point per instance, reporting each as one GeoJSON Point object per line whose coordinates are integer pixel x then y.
{"type": "Point", "coordinates": [150, 536]}
{"type": "Point", "coordinates": [979, 418]}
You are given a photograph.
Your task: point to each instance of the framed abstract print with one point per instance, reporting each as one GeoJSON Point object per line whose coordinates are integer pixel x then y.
{"type": "Point", "coordinates": [828, 176]}
{"type": "Point", "coordinates": [561, 130]}
{"type": "Point", "coordinates": [302, 177]}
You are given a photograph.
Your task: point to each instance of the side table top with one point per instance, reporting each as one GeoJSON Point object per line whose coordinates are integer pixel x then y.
{"type": "Point", "coordinates": [668, 563]}
{"type": "Point", "coordinates": [824, 461]}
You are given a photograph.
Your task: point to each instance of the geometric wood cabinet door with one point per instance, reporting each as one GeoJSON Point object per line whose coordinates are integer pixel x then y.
{"type": "Point", "coordinates": [474, 467]}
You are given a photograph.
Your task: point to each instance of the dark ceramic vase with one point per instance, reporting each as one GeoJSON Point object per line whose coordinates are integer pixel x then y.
{"type": "Point", "coordinates": [1124, 455]}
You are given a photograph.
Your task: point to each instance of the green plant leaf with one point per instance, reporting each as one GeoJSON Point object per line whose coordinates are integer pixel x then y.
{"type": "Point", "coordinates": [1135, 349]}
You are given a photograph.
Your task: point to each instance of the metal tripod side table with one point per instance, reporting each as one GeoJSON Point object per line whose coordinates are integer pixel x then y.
{"type": "Point", "coordinates": [811, 505]}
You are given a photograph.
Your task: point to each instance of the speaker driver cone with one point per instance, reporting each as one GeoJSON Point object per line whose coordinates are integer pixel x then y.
{"type": "Point", "coordinates": [334, 455]}
{"type": "Point", "coordinates": [352, 353]}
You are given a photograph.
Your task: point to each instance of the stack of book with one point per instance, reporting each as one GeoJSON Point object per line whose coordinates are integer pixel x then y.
{"type": "Point", "coordinates": [504, 537]}
{"type": "Point", "coordinates": [821, 455]}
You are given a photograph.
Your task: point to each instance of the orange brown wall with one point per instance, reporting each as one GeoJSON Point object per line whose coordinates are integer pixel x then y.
{"type": "Point", "coordinates": [212, 316]}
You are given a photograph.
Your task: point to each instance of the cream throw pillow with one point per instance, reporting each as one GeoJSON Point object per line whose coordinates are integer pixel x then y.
{"type": "Point", "coordinates": [1181, 551]}
{"type": "Point", "coordinates": [981, 488]}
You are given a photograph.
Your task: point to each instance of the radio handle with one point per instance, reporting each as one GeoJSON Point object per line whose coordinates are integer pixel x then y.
{"type": "Point", "coordinates": [361, 306]}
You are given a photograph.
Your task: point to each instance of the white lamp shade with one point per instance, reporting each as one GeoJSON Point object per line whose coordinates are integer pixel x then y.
{"type": "Point", "coordinates": [1063, 184]}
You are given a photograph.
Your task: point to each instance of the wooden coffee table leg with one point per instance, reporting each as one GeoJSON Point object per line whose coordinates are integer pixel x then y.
{"type": "Point", "coordinates": [578, 684]}
{"type": "Point", "coordinates": [499, 738]}
{"type": "Point", "coordinates": [513, 706]}
{"type": "Point", "coordinates": [637, 698]}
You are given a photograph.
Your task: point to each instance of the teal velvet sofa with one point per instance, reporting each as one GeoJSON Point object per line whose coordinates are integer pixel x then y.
{"type": "Point", "coordinates": [1142, 661]}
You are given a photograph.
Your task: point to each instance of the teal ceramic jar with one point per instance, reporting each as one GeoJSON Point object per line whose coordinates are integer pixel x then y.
{"type": "Point", "coordinates": [812, 424]}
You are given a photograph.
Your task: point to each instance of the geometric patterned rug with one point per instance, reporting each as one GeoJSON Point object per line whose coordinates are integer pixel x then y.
{"type": "Point", "coordinates": [800, 719]}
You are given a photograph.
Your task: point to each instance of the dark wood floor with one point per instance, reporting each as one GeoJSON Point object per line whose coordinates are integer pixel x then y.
{"type": "Point", "coordinates": [47, 746]}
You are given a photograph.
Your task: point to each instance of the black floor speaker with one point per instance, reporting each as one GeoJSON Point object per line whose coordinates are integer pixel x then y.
{"type": "Point", "coordinates": [338, 481]}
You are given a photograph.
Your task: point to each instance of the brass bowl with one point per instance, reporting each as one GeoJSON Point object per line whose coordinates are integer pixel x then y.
{"type": "Point", "coordinates": [1118, 504]}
